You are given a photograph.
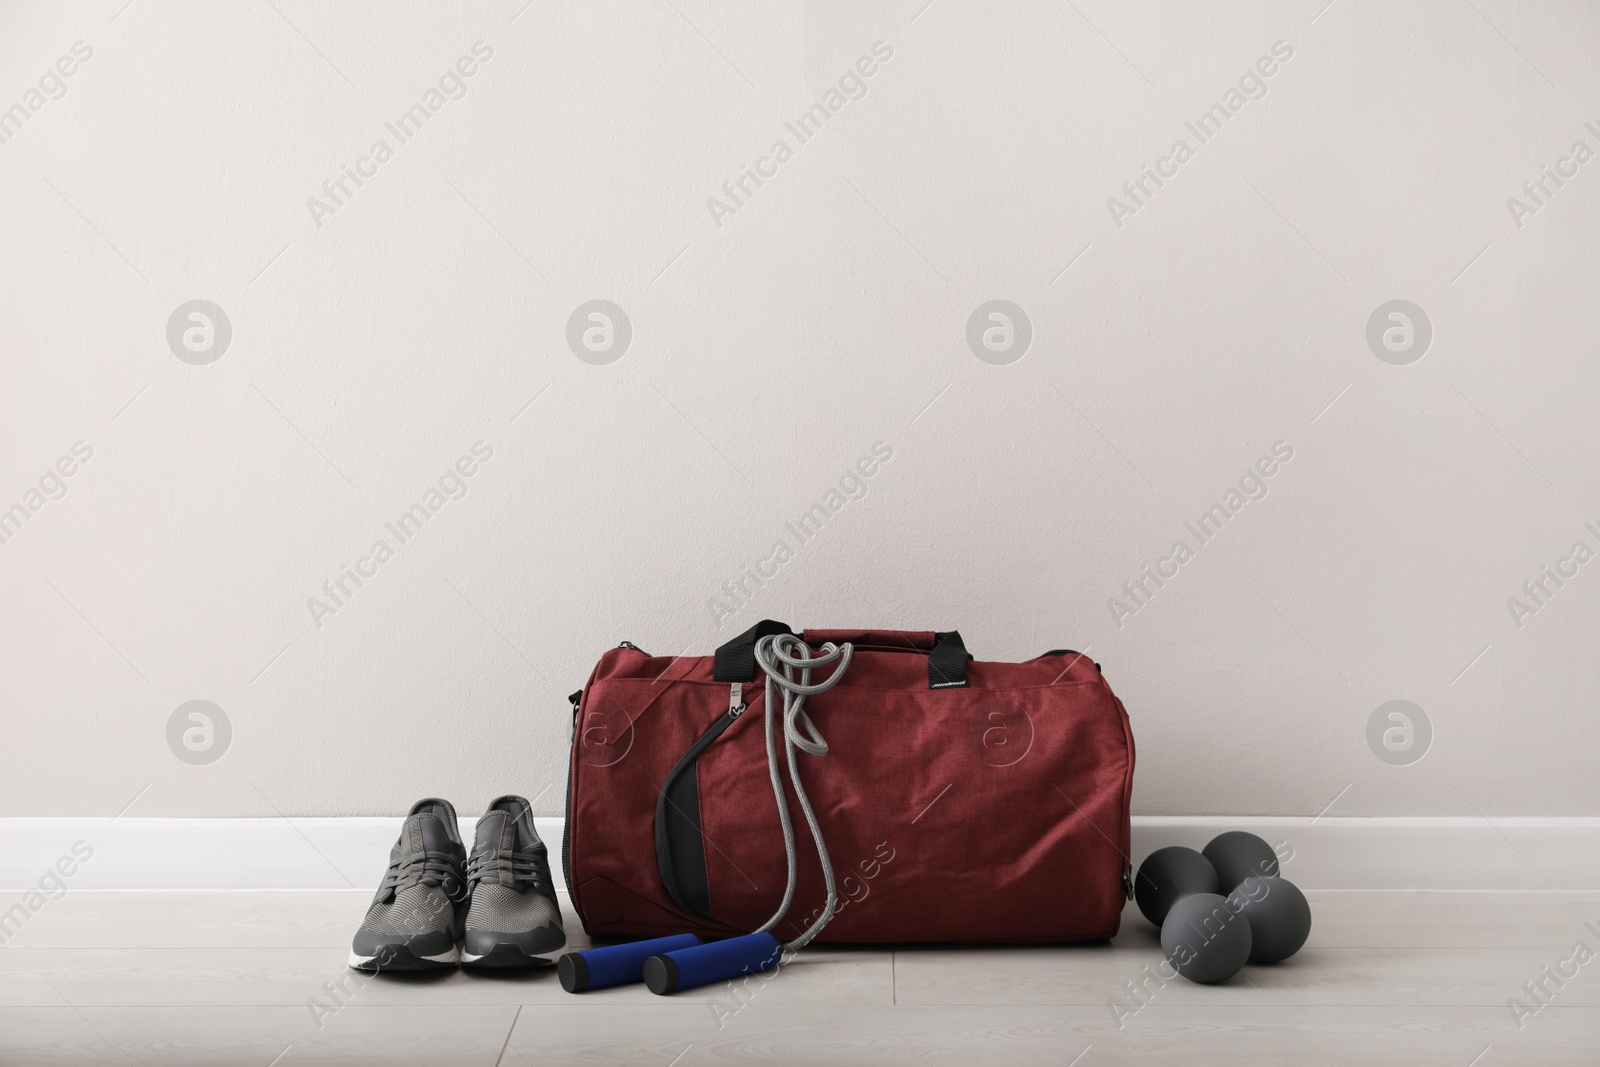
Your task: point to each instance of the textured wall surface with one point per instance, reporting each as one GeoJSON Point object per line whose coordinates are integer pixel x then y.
{"type": "Point", "coordinates": [280, 274]}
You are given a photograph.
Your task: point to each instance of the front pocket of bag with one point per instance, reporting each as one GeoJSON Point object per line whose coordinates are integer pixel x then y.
{"type": "Point", "coordinates": [680, 840]}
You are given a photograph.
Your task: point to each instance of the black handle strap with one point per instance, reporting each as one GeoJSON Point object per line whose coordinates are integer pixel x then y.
{"type": "Point", "coordinates": [736, 660]}
{"type": "Point", "coordinates": [947, 663]}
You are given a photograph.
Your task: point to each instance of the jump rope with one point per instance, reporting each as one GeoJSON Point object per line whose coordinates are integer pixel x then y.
{"type": "Point", "coordinates": [684, 961]}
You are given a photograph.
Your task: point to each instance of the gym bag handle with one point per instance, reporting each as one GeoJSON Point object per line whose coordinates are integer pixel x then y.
{"type": "Point", "coordinates": [895, 640]}
{"type": "Point", "coordinates": [947, 654]}
{"type": "Point", "coordinates": [736, 660]}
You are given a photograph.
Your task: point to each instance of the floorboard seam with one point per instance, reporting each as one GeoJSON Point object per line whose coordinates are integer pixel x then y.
{"type": "Point", "coordinates": [511, 1030]}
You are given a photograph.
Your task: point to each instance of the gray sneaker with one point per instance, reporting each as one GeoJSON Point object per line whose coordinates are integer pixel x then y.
{"type": "Point", "coordinates": [514, 919]}
{"type": "Point", "coordinates": [415, 921]}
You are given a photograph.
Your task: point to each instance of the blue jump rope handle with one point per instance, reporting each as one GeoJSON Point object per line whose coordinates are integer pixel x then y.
{"type": "Point", "coordinates": [597, 968]}
{"type": "Point", "coordinates": [698, 965]}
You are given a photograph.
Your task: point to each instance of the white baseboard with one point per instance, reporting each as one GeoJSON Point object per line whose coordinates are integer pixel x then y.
{"type": "Point", "coordinates": [1405, 853]}
{"type": "Point", "coordinates": [177, 854]}
{"type": "Point", "coordinates": [350, 853]}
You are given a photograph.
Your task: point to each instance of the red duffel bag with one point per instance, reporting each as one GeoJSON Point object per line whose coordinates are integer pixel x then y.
{"type": "Point", "coordinates": [959, 800]}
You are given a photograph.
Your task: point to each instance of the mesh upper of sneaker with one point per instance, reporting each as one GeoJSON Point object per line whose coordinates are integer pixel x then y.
{"type": "Point", "coordinates": [503, 909]}
{"type": "Point", "coordinates": [510, 873]}
{"type": "Point", "coordinates": [424, 888]}
{"type": "Point", "coordinates": [416, 909]}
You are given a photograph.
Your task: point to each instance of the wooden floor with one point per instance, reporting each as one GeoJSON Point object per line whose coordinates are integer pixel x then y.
{"type": "Point", "coordinates": [230, 978]}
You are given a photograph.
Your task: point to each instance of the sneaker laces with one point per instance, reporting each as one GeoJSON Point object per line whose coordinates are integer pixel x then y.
{"type": "Point", "coordinates": [505, 867]}
{"type": "Point", "coordinates": [425, 868]}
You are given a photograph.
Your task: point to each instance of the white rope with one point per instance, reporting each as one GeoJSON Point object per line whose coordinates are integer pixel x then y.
{"type": "Point", "coordinates": [787, 662]}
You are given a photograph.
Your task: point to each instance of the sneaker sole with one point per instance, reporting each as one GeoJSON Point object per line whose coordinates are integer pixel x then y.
{"type": "Point", "coordinates": [403, 959]}
{"type": "Point", "coordinates": [507, 956]}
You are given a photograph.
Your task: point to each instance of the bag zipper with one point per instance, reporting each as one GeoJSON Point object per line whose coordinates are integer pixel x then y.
{"type": "Point", "coordinates": [576, 700]}
{"type": "Point", "coordinates": [566, 824]}
{"type": "Point", "coordinates": [736, 708]}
